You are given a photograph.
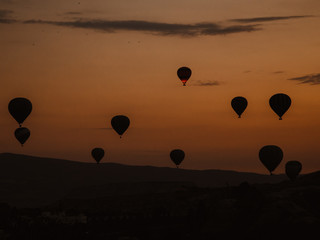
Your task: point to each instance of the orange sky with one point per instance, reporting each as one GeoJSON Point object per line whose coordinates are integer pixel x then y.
{"type": "Point", "coordinates": [79, 78]}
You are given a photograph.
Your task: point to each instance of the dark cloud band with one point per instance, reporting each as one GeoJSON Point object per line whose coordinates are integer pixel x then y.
{"type": "Point", "coordinates": [312, 79]}
{"type": "Point", "coordinates": [157, 28]}
{"type": "Point", "coordinates": [152, 27]}
{"type": "Point", "coordinates": [267, 19]}
{"type": "Point", "coordinates": [5, 16]}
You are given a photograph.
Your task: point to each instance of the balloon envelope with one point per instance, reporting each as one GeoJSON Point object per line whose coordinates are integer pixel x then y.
{"type": "Point", "coordinates": [271, 156]}
{"type": "Point", "coordinates": [239, 104]}
{"type": "Point", "coordinates": [22, 134]}
{"type": "Point", "coordinates": [293, 168]}
{"type": "Point", "coordinates": [20, 108]}
{"type": "Point", "coordinates": [177, 156]}
{"type": "Point", "coordinates": [97, 154]}
{"type": "Point", "coordinates": [120, 124]}
{"type": "Point", "coordinates": [280, 103]}
{"type": "Point", "coordinates": [184, 74]}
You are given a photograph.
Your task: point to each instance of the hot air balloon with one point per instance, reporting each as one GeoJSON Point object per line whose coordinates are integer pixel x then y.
{"type": "Point", "coordinates": [293, 168]}
{"type": "Point", "coordinates": [280, 103]}
{"type": "Point", "coordinates": [120, 124]}
{"type": "Point", "coordinates": [97, 154]}
{"type": "Point", "coordinates": [271, 156]}
{"type": "Point", "coordinates": [22, 134]}
{"type": "Point", "coordinates": [184, 74]}
{"type": "Point", "coordinates": [177, 156]}
{"type": "Point", "coordinates": [239, 104]}
{"type": "Point", "coordinates": [20, 108]}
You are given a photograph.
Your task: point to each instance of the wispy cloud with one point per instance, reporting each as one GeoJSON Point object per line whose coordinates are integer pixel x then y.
{"type": "Point", "coordinates": [7, 21]}
{"type": "Point", "coordinates": [157, 28]}
{"type": "Point", "coordinates": [312, 79]}
{"type": "Point", "coordinates": [206, 83]}
{"type": "Point", "coordinates": [278, 72]}
{"type": "Point", "coordinates": [5, 16]}
{"type": "Point", "coordinates": [267, 19]}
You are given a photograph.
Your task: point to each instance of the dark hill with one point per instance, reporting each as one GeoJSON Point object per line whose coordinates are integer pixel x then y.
{"type": "Point", "coordinates": [32, 181]}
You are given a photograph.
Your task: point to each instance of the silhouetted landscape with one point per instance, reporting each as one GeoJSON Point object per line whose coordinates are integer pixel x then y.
{"type": "Point", "coordinates": [32, 181]}
{"type": "Point", "coordinates": [45, 198]}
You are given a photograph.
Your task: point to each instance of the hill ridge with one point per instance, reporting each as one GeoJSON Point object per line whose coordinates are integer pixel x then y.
{"type": "Point", "coordinates": [7, 154]}
{"type": "Point", "coordinates": [26, 180]}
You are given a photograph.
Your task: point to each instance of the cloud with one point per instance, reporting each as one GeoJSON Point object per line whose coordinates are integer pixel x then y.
{"type": "Point", "coordinates": [5, 16]}
{"type": "Point", "coordinates": [206, 83]}
{"type": "Point", "coordinates": [312, 79]}
{"type": "Point", "coordinates": [278, 72]}
{"type": "Point", "coordinates": [157, 28]}
{"type": "Point", "coordinates": [267, 19]}
{"type": "Point", "coordinates": [7, 21]}
{"type": "Point", "coordinates": [161, 28]}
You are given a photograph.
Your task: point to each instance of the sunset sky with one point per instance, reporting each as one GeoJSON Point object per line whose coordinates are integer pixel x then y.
{"type": "Point", "coordinates": [82, 62]}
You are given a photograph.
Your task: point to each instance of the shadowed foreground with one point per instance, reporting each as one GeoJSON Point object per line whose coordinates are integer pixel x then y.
{"type": "Point", "coordinates": [170, 210]}
{"type": "Point", "coordinates": [263, 211]}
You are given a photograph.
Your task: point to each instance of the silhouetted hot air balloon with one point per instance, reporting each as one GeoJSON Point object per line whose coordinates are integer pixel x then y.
{"type": "Point", "coordinates": [120, 124]}
{"type": "Point", "coordinates": [20, 108]}
{"type": "Point", "coordinates": [293, 168]}
{"type": "Point", "coordinates": [184, 74]}
{"type": "Point", "coordinates": [271, 156]}
{"type": "Point", "coordinates": [239, 104]}
{"type": "Point", "coordinates": [97, 154]}
{"type": "Point", "coordinates": [280, 103]}
{"type": "Point", "coordinates": [22, 134]}
{"type": "Point", "coordinates": [177, 156]}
